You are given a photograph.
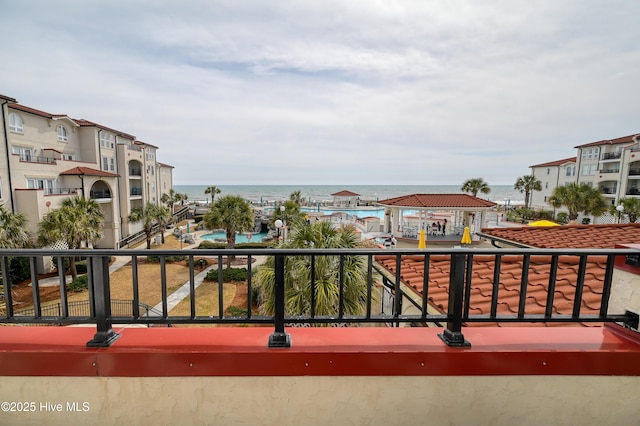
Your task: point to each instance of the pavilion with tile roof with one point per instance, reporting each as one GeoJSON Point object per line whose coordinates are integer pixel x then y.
{"type": "Point", "coordinates": [510, 277]}
{"type": "Point", "coordinates": [466, 210]}
{"type": "Point", "coordinates": [345, 198]}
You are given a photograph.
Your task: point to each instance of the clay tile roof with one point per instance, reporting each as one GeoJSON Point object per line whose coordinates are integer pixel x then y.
{"type": "Point", "coordinates": [568, 236]}
{"type": "Point", "coordinates": [36, 111]}
{"type": "Point", "coordinates": [557, 162]}
{"type": "Point", "coordinates": [438, 201]}
{"type": "Point", "coordinates": [86, 123]}
{"type": "Point", "coordinates": [345, 193]}
{"type": "Point", "coordinates": [623, 139]}
{"type": "Point", "coordinates": [7, 98]}
{"type": "Point", "coordinates": [87, 171]}
{"type": "Point", "coordinates": [483, 267]}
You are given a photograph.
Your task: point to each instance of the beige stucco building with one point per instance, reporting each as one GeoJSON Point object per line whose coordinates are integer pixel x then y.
{"type": "Point", "coordinates": [49, 157]}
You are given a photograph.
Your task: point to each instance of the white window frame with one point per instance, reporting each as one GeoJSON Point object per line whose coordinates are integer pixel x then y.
{"type": "Point", "coordinates": [107, 140]}
{"type": "Point", "coordinates": [24, 152]}
{"type": "Point", "coordinates": [1, 197]}
{"type": "Point", "coordinates": [41, 183]}
{"type": "Point", "coordinates": [108, 164]}
{"type": "Point", "coordinates": [16, 124]}
{"type": "Point", "coordinates": [62, 133]}
{"type": "Point", "coordinates": [69, 157]}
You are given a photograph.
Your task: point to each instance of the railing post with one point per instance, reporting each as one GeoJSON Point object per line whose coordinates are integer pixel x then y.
{"type": "Point", "coordinates": [279, 339]}
{"type": "Point", "coordinates": [99, 269]}
{"type": "Point", "coordinates": [452, 335]}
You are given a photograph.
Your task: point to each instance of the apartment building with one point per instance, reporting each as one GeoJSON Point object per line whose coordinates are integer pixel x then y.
{"type": "Point", "coordinates": [552, 175]}
{"type": "Point", "coordinates": [49, 157]}
{"type": "Point", "coordinates": [612, 166]}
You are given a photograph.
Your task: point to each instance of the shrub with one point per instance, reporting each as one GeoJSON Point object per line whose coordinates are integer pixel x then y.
{"type": "Point", "coordinates": [253, 245]}
{"type": "Point", "coordinates": [586, 220]}
{"type": "Point", "coordinates": [19, 269]}
{"type": "Point", "coordinates": [562, 218]}
{"type": "Point", "coordinates": [79, 284]}
{"type": "Point", "coordinates": [228, 275]}
{"type": "Point", "coordinates": [170, 259]}
{"type": "Point", "coordinates": [236, 311]}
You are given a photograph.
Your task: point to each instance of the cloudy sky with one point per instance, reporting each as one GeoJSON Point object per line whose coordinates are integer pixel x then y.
{"type": "Point", "coordinates": [334, 91]}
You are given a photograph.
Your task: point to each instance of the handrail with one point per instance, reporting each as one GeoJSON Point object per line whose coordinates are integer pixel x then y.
{"type": "Point", "coordinates": [457, 314]}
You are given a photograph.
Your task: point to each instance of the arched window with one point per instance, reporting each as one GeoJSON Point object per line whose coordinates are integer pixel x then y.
{"type": "Point", "coordinates": [569, 171]}
{"type": "Point", "coordinates": [15, 123]}
{"type": "Point", "coordinates": [62, 134]}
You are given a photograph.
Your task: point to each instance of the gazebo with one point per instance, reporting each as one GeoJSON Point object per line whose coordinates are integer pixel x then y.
{"type": "Point", "coordinates": [451, 212]}
{"type": "Point", "coordinates": [346, 199]}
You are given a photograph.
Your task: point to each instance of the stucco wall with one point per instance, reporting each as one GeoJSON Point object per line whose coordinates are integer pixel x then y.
{"type": "Point", "coordinates": [503, 400]}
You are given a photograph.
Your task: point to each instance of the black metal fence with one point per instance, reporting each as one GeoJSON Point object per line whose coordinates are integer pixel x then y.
{"type": "Point", "coordinates": [104, 314]}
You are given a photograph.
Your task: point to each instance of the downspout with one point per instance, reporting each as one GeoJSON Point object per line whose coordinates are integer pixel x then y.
{"type": "Point", "coordinates": [118, 192]}
{"type": "Point", "coordinates": [6, 146]}
{"type": "Point", "coordinates": [99, 150]}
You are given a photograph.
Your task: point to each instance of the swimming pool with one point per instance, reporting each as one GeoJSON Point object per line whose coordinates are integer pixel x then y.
{"type": "Point", "coordinates": [240, 238]}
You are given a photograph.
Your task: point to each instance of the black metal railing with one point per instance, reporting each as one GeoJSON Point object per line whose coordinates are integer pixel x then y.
{"type": "Point", "coordinates": [378, 279]}
{"type": "Point", "coordinates": [611, 155]}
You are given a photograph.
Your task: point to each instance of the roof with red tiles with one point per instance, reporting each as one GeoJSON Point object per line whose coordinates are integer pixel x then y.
{"type": "Point", "coordinates": [438, 201]}
{"type": "Point", "coordinates": [345, 193]}
{"type": "Point", "coordinates": [38, 112]}
{"type": "Point", "coordinates": [557, 162]}
{"type": "Point", "coordinates": [623, 139]}
{"type": "Point", "coordinates": [145, 144]}
{"type": "Point", "coordinates": [7, 98]}
{"type": "Point", "coordinates": [568, 236]}
{"type": "Point", "coordinates": [86, 123]}
{"type": "Point", "coordinates": [166, 165]}
{"type": "Point", "coordinates": [483, 267]}
{"type": "Point", "coordinates": [87, 171]}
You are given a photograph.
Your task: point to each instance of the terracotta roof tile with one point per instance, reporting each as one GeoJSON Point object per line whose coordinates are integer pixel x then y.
{"type": "Point", "coordinates": [438, 201]}
{"type": "Point", "coordinates": [557, 162]}
{"type": "Point", "coordinates": [86, 123]}
{"type": "Point", "coordinates": [36, 111]}
{"type": "Point", "coordinates": [568, 236]}
{"type": "Point", "coordinates": [87, 171]}
{"type": "Point", "coordinates": [623, 139]}
{"type": "Point", "coordinates": [345, 193]}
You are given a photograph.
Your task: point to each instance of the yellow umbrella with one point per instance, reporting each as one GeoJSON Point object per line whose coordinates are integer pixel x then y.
{"type": "Point", "coordinates": [422, 243]}
{"type": "Point", "coordinates": [466, 236]}
{"type": "Point", "coordinates": [543, 223]}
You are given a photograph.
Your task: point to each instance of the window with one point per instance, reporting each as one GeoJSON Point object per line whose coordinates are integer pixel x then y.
{"type": "Point", "coordinates": [1, 189]}
{"type": "Point", "coordinates": [151, 169]}
{"type": "Point", "coordinates": [589, 169]}
{"type": "Point", "coordinates": [108, 164]}
{"type": "Point", "coordinates": [24, 153]}
{"type": "Point", "coordinates": [39, 183]}
{"type": "Point", "coordinates": [546, 185]}
{"type": "Point", "coordinates": [62, 134]}
{"type": "Point", "coordinates": [150, 156]}
{"type": "Point", "coordinates": [69, 157]}
{"type": "Point", "coordinates": [107, 140]}
{"type": "Point", "coordinates": [15, 123]}
{"type": "Point", "coordinates": [568, 171]}
{"type": "Point", "coordinates": [548, 170]}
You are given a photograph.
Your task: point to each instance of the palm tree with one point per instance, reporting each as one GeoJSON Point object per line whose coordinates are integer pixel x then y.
{"type": "Point", "coordinates": [631, 207]}
{"type": "Point", "coordinates": [289, 215]}
{"type": "Point", "coordinates": [164, 217]}
{"type": "Point", "coordinates": [169, 199]}
{"type": "Point", "coordinates": [578, 198]}
{"type": "Point", "coordinates": [213, 190]}
{"type": "Point", "coordinates": [527, 184]}
{"type": "Point", "coordinates": [13, 232]}
{"type": "Point", "coordinates": [232, 213]}
{"type": "Point", "coordinates": [148, 215]}
{"type": "Point", "coordinates": [77, 219]}
{"type": "Point", "coordinates": [181, 198]}
{"type": "Point", "coordinates": [327, 273]}
{"type": "Point", "coordinates": [475, 185]}
{"type": "Point", "coordinates": [296, 197]}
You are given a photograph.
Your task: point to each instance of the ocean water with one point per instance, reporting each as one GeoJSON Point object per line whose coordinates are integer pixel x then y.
{"type": "Point", "coordinates": [318, 194]}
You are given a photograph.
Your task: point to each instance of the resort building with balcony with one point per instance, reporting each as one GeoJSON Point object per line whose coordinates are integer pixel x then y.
{"type": "Point", "coordinates": [49, 157]}
{"type": "Point", "coordinates": [612, 166]}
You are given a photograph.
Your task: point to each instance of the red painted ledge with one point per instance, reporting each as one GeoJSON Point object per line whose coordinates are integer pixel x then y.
{"type": "Point", "coordinates": [243, 351]}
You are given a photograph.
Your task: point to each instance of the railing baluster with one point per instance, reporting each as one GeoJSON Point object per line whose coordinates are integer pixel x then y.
{"type": "Point", "coordinates": [8, 297]}
{"type": "Point", "coordinates": [136, 289]}
{"type": "Point", "coordinates": [551, 289]}
{"type": "Point", "coordinates": [63, 289]}
{"type": "Point", "coordinates": [467, 286]}
{"type": "Point", "coordinates": [524, 282]}
{"type": "Point", "coordinates": [397, 294]}
{"type": "Point", "coordinates": [452, 335]}
{"type": "Point", "coordinates": [192, 289]}
{"type": "Point", "coordinates": [369, 285]}
{"type": "Point", "coordinates": [577, 302]}
{"type": "Point", "coordinates": [249, 287]}
{"type": "Point", "coordinates": [105, 335]}
{"type": "Point", "coordinates": [425, 285]}
{"type": "Point", "coordinates": [279, 339]}
{"type": "Point", "coordinates": [313, 286]}
{"type": "Point", "coordinates": [606, 286]}
{"type": "Point", "coordinates": [163, 286]}
{"type": "Point", "coordinates": [341, 288]}
{"type": "Point", "coordinates": [35, 288]}
{"type": "Point", "coordinates": [496, 285]}
{"type": "Point", "coordinates": [220, 287]}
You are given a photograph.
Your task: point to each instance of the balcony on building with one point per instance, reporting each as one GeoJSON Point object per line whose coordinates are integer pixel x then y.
{"type": "Point", "coordinates": [608, 188]}
{"type": "Point", "coordinates": [446, 364]}
{"type": "Point", "coordinates": [611, 156]}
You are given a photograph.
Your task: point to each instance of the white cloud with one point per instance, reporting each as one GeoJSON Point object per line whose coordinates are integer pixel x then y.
{"type": "Point", "coordinates": [335, 92]}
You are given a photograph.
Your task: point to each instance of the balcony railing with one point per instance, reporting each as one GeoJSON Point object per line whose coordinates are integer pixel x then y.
{"type": "Point", "coordinates": [60, 191]}
{"type": "Point", "coordinates": [136, 191]}
{"type": "Point", "coordinates": [634, 172]}
{"type": "Point", "coordinates": [100, 194]}
{"type": "Point", "coordinates": [458, 311]}
{"type": "Point", "coordinates": [608, 191]}
{"type": "Point", "coordinates": [611, 155]}
{"type": "Point", "coordinates": [609, 171]}
{"type": "Point", "coordinates": [35, 159]}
